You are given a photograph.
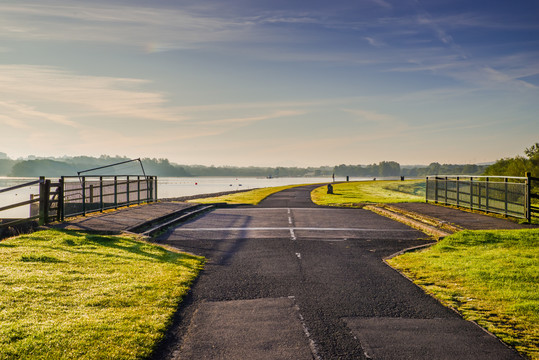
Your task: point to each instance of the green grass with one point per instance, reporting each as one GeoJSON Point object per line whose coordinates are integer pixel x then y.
{"type": "Point", "coordinates": [70, 295]}
{"type": "Point", "coordinates": [252, 197]}
{"type": "Point", "coordinates": [491, 277]}
{"type": "Point", "coordinates": [356, 193]}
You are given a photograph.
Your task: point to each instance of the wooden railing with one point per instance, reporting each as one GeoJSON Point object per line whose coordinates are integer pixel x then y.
{"type": "Point", "coordinates": [71, 196]}
{"type": "Point", "coordinates": [45, 204]}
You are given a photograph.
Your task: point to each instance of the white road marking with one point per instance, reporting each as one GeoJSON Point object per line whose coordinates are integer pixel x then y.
{"type": "Point", "coordinates": [292, 235]}
{"type": "Point", "coordinates": [291, 228]}
{"type": "Point", "coordinates": [283, 208]}
{"type": "Point", "coordinates": [312, 344]}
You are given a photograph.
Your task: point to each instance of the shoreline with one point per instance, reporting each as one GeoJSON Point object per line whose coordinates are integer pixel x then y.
{"type": "Point", "coordinates": [203, 196]}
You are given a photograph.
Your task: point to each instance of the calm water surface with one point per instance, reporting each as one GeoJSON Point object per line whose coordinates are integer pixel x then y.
{"type": "Point", "coordinates": [168, 187]}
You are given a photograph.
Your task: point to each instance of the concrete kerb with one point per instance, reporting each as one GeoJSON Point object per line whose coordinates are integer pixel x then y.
{"type": "Point", "coordinates": [168, 221]}
{"type": "Point", "coordinates": [440, 224]}
{"type": "Point", "coordinates": [145, 229]}
{"type": "Point", "coordinates": [416, 224]}
{"type": "Point", "coordinates": [184, 215]}
{"type": "Point", "coordinates": [151, 227]}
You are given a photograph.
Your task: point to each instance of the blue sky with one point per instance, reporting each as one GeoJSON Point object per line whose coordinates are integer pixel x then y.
{"type": "Point", "coordinates": [270, 83]}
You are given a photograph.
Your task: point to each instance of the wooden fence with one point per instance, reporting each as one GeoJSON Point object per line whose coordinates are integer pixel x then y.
{"type": "Point", "coordinates": [73, 195]}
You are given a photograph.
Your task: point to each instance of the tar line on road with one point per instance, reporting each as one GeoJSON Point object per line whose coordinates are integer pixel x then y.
{"type": "Point", "coordinates": [289, 280]}
{"type": "Point", "coordinates": [291, 223]}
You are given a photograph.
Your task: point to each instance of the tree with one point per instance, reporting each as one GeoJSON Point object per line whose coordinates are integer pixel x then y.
{"type": "Point", "coordinates": [434, 168]}
{"type": "Point", "coordinates": [532, 152]}
{"type": "Point", "coordinates": [42, 167]}
{"type": "Point", "coordinates": [518, 165]}
{"type": "Point", "coordinates": [389, 168]}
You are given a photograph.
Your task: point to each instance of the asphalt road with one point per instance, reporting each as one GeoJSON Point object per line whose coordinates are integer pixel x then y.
{"type": "Point", "coordinates": [289, 280]}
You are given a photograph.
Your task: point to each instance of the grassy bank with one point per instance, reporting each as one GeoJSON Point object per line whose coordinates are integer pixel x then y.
{"type": "Point", "coordinates": [70, 295]}
{"type": "Point", "coordinates": [491, 277]}
{"type": "Point", "coordinates": [355, 193]}
{"type": "Point", "coordinates": [252, 197]}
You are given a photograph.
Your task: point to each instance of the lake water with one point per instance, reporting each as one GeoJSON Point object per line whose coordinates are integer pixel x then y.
{"type": "Point", "coordinates": [168, 187]}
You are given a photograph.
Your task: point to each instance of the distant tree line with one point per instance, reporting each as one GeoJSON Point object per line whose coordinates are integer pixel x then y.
{"type": "Point", "coordinates": [518, 165]}
{"type": "Point", "coordinates": [391, 168]}
{"type": "Point", "coordinates": [200, 170]}
{"type": "Point", "coordinates": [34, 166]}
{"type": "Point", "coordinates": [55, 167]}
{"type": "Point", "coordinates": [69, 166]}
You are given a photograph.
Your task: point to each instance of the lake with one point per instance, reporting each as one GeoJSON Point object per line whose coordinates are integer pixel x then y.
{"type": "Point", "coordinates": [168, 187]}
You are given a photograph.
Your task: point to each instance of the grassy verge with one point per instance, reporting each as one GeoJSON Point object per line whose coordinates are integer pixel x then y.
{"type": "Point", "coordinates": [355, 193]}
{"type": "Point", "coordinates": [491, 277]}
{"type": "Point", "coordinates": [70, 295]}
{"type": "Point", "coordinates": [252, 197]}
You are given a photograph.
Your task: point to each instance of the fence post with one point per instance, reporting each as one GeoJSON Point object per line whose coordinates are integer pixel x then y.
{"type": "Point", "coordinates": [127, 190]}
{"type": "Point", "coordinates": [458, 190]}
{"type": "Point", "coordinates": [149, 188]}
{"type": "Point", "coordinates": [436, 189]}
{"type": "Point", "coordinates": [426, 189]}
{"type": "Point", "coordinates": [471, 192]}
{"type": "Point", "coordinates": [138, 190]}
{"type": "Point", "coordinates": [505, 197]}
{"type": "Point", "coordinates": [60, 211]}
{"type": "Point", "coordinates": [528, 196]}
{"type": "Point", "coordinates": [479, 195]}
{"type": "Point", "coordinates": [116, 192]}
{"type": "Point", "coordinates": [101, 205]}
{"type": "Point", "coordinates": [32, 206]}
{"type": "Point", "coordinates": [445, 193]}
{"type": "Point", "coordinates": [486, 194]}
{"type": "Point", "coordinates": [154, 188]}
{"type": "Point", "coordinates": [44, 195]}
{"type": "Point", "coordinates": [84, 196]}
{"type": "Point", "coordinates": [91, 193]}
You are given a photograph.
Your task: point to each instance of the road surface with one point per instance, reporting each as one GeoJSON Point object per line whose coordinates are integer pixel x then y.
{"type": "Point", "coordinates": [290, 280]}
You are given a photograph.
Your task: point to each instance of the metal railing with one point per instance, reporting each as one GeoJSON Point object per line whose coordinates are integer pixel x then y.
{"type": "Point", "coordinates": [86, 194]}
{"type": "Point", "coordinates": [506, 195]}
{"type": "Point", "coordinates": [73, 195]}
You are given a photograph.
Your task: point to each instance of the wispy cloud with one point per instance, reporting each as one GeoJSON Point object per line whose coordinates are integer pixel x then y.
{"type": "Point", "coordinates": [483, 21]}
{"type": "Point", "coordinates": [9, 120]}
{"type": "Point", "coordinates": [371, 116]}
{"type": "Point", "coordinates": [374, 42]}
{"type": "Point", "coordinates": [126, 25]}
{"type": "Point", "coordinates": [242, 121]}
{"type": "Point", "coordinates": [26, 87]}
{"type": "Point", "coordinates": [415, 59]}
{"type": "Point", "coordinates": [383, 3]}
{"type": "Point", "coordinates": [17, 111]}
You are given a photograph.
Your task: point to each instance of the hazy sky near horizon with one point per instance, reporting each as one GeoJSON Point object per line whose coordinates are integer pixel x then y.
{"type": "Point", "coordinates": [270, 82]}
